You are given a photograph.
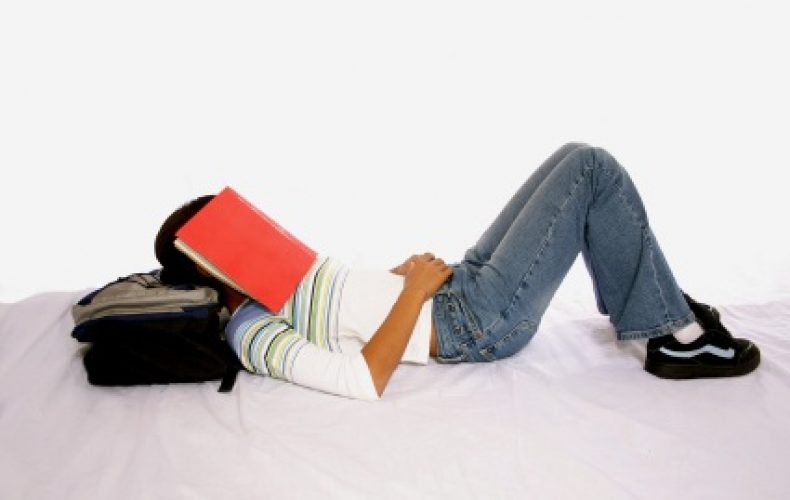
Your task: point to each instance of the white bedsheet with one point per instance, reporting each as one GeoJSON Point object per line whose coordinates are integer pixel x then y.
{"type": "Point", "coordinates": [573, 415]}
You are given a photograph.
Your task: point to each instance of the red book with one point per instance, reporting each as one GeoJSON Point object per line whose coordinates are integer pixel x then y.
{"type": "Point", "coordinates": [243, 247]}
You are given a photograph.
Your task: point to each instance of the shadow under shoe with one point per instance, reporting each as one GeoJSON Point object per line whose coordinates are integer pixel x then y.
{"type": "Point", "coordinates": [716, 353]}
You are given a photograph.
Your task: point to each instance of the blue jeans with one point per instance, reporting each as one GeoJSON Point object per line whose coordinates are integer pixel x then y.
{"type": "Point", "coordinates": [579, 200]}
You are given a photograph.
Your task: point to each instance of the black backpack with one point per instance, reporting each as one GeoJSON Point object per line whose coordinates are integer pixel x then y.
{"type": "Point", "coordinates": [144, 331]}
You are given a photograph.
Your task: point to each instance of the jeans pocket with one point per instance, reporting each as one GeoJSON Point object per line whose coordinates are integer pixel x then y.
{"type": "Point", "coordinates": [511, 342]}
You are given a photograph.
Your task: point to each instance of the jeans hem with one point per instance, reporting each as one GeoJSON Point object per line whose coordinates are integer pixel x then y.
{"type": "Point", "coordinates": [660, 331]}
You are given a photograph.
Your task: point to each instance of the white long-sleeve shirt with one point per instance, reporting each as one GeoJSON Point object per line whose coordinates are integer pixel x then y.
{"type": "Point", "coordinates": [315, 339]}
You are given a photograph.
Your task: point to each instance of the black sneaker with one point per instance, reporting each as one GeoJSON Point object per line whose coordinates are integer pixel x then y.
{"type": "Point", "coordinates": [714, 354]}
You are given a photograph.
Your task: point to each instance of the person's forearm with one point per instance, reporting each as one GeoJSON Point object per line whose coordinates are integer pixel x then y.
{"type": "Point", "coordinates": [386, 347]}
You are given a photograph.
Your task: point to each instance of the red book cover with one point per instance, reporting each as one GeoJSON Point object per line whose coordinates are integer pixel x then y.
{"type": "Point", "coordinates": [246, 249]}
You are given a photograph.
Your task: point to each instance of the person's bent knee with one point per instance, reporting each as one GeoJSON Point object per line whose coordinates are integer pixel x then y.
{"type": "Point", "coordinates": [570, 147]}
{"type": "Point", "coordinates": [603, 159]}
{"type": "Point", "coordinates": [579, 159]}
{"type": "Point", "coordinates": [575, 145]}
{"type": "Point", "coordinates": [596, 157]}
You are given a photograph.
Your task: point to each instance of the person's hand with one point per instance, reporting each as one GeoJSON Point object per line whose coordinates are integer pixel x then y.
{"type": "Point", "coordinates": [426, 273]}
{"type": "Point", "coordinates": [403, 268]}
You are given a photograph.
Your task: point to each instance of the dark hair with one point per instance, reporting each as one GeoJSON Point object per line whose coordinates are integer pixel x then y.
{"type": "Point", "coordinates": [177, 268]}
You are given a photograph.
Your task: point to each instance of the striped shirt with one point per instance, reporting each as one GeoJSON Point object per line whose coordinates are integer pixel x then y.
{"type": "Point", "coordinates": [299, 343]}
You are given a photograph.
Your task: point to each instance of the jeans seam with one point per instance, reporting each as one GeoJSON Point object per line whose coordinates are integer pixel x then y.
{"type": "Point", "coordinates": [644, 226]}
{"type": "Point", "coordinates": [462, 314]}
{"type": "Point", "coordinates": [634, 213]}
{"type": "Point", "coordinates": [655, 275]}
{"type": "Point", "coordinates": [505, 340]}
{"type": "Point", "coordinates": [546, 240]}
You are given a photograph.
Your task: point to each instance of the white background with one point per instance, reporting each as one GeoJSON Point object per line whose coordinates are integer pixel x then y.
{"type": "Point", "coordinates": [374, 130]}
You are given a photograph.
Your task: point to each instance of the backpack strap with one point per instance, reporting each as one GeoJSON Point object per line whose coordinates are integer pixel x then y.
{"type": "Point", "coordinates": [229, 379]}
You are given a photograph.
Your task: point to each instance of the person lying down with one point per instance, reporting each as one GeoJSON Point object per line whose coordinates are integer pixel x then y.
{"type": "Point", "coordinates": [345, 330]}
